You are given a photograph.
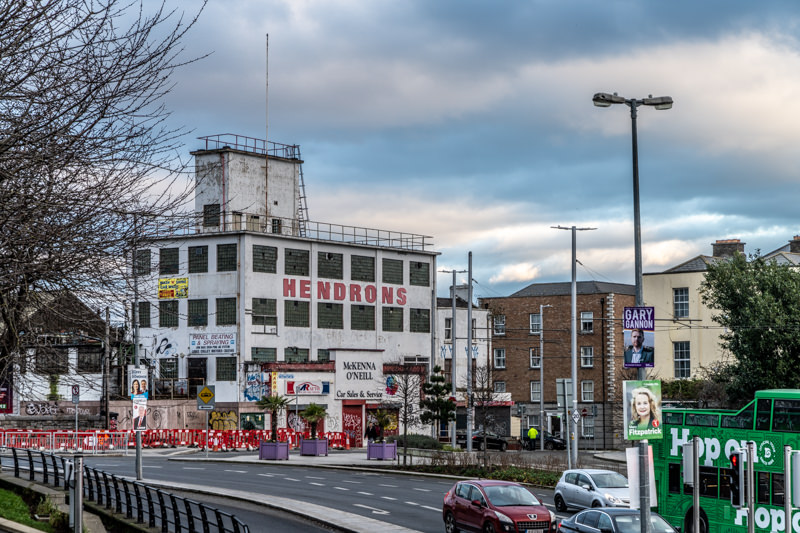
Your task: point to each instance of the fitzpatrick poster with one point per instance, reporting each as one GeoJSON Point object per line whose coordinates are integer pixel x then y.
{"type": "Point", "coordinates": [642, 410]}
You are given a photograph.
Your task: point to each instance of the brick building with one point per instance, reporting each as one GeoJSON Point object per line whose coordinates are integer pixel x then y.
{"type": "Point", "coordinates": [527, 337]}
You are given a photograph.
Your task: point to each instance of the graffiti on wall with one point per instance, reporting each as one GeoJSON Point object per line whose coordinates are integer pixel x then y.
{"type": "Point", "coordinates": [41, 409]}
{"type": "Point", "coordinates": [219, 420]}
{"type": "Point", "coordinates": [164, 346]}
{"type": "Point", "coordinates": [256, 386]}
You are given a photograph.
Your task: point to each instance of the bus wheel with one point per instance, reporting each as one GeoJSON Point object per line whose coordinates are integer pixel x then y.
{"type": "Point", "coordinates": [688, 522]}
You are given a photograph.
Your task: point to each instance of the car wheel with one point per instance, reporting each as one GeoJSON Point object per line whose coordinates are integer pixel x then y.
{"type": "Point", "coordinates": [548, 445]}
{"type": "Point", "coordinates": [596, 504]}
{"type": "Point", "coordinates": [450, 523]}
{"type": "Point", "coordinates": [488, 527]}
{"type": "Point", "coordinates": [561, 506]}
{"type": "Point", "coordinates": [503, 446]}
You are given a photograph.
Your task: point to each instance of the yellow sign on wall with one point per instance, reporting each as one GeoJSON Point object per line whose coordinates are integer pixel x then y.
{"type": "Point", "coordinates": [173, 288]}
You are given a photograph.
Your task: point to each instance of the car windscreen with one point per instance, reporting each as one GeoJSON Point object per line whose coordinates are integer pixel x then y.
{"type": "Point", "coordinates": [631, 524]}
{"type": "Point", "coordinates": [610, 480]}
{"type": "Point", "coordinates": [505, 495]}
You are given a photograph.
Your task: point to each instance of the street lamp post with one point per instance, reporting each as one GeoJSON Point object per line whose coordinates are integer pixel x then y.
{"type": "Point", "coordinates": [659, 102]}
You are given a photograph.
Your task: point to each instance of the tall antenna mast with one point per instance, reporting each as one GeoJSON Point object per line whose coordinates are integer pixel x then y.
{"type": "Point", "coordinates": [266, 139]}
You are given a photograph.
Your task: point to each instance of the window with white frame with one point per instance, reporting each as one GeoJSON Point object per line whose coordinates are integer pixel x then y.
{"type": "Point", "coordinates": [536, 360]}
{"type": "Point", "coordinates": [587, 356]}
{"type": "Point", "coordinates": [535, 323]}
{"type": "Point", "coordinates": [499, 357]}
{"type": "Point", "coordinates": [587, 427]}
{"type": "Point", "coordinates": [681, 356]}
{"type": "Point", "coordinates": [536, 391]}
{"type": "Point", "coordinates": [499, 386]}
{"type": "Point", "coordinates": [587, 390]}
{"type": "Point", "coordinates": [587, 322]}
{"type": "Point", "coordinates": [500, 324]}
{"type": "Point", "coordinates": [448, 329]}
{"type": "Point", "coordinates": [680, 302]}
{"type": "Point", "coordinates": [533, 421]}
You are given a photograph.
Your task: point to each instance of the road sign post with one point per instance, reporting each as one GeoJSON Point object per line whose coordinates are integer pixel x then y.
{"type": "Point", "coordinates": [205, 402]}
{"type": "Point", "coordinates": [76, 398]}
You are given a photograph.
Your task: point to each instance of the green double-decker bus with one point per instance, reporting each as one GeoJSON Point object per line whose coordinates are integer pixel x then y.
{"type": "Point", "coordinates": [771, 420]}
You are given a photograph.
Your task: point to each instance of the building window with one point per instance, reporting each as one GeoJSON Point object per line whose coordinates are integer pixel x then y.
{"type": "Point", "coordinates": [448, 329]}
{"type": "Point", "coordinates": [499, 357]}
{"type": "Point", "coordinates": [533, 420]}
{"type": "Point", "coordinates": [535, 323]}
{"type": "Point", "coordinates": [211, 215]}
{"type": "Point", "coordinates": [680, 302]}
{"type": "Point", "coordinates": [295, 262]}
{"type": "Point", "coordinates": [168, 261]}
{"type": "Point", "coordinates": [265, 259]}
{"type": "Point", "coordinates": [52, 360]}
{"type": "Point", "coordinates": [362, 268]}
{"type": "Point", "coordinates": [226, 311]}
{"type": "Point", "coordinates": [419, 274]}
{"type": "Point", "coordinates": [681, 356]}
{"type": "Point", "coordinates": [141, 263]}
{"type": "Point", "coordinates": [277, 225]}
{"type": "Point", "coordinates": [265, 313]}
{"type": "Point", "coordinates": [330, 266]}
{"type": "Point", "coordinates": [536, 391]}
{"type": "Point", "coordinates": [263, 355]}
{"type": "Point", "coordinates": [144, 314]}
{"type": "Point", "coordinates": [587, 322]}
{"type": "Point", "coordinates": [198, 313]}
{"type": "Point", "coordinates": [90, 360]}
{"type": "Point", "coordinates": [499, 386]}
{"type": "Point", "coordinates": [536, 361]}
{"type": "Point", "coordinates": [393, 271]}
{"type": "Point", "coordinates": [392, 319]}
{"type": "Point", "coordinates": [168, 314]}
{"type": "Point", "coordinates": [168, 368]}
{"type": "Point", "coordinates": [587, 356]}
{"type": "Point", "coordinates": [226, 257]}
{"type": "Point", "coordinates": [198, 259]}
{"type": "Point", "coordinates": [295, 314]}
{"type": "Point", "coordinates": [420, 321]}
{"type": "Point", "coordinates": [226, 369]}
{"type": "Point", "coordinates": [295, 355]}
{"type": "Point", "coordinates": [587, 391]}
{"type": "Point", "coordinates": [500, 324]}
{"type": "Point", "coordinates": [323, 355]}
{"type": "Point", "coordinates": [330, 316]}
{"type": "Point", "coordinates": [362, 317]}
{"type": "Point", "coordinates": [587, 424]}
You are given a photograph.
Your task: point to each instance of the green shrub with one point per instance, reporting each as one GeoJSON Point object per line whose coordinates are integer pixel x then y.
{"type": "Point", "coordinates": [417, 441]}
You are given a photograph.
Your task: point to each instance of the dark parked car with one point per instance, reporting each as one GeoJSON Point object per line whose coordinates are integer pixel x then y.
{"type": "Point", "coordinates": [492, 506]}
{"type": "Point", "coordinates": [612, 520]}
{"type": "Point", "coordinates": [493, 441]}
{"type": "Point", "coordinates": [551, 442]}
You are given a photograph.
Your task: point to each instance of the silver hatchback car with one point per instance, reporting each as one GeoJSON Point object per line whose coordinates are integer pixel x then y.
{"type": "Point", "coordinates": [585, 488]}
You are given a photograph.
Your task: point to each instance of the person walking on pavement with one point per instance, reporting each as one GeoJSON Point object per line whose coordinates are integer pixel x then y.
{"type": "Point", "coordinates": [532, 434]}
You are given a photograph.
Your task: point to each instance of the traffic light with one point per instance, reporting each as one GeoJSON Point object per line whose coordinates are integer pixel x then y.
{"type": "Point", "coordinates": [737, 479]}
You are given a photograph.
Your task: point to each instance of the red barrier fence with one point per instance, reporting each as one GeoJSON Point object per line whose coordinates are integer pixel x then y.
{"type": "Point", "coordinates": [99, 441]}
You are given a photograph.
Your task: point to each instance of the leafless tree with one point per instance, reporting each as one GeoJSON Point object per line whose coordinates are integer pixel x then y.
{"type": "Point", "coordinates": [482, 401]}
{"type": "Point", "coordinates": [87, 159]}
{"type": "Point", "coordinates": [406, 385]}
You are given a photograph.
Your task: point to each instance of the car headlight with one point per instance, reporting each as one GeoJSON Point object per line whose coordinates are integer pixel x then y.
{"type": "Point", "coordinates": [611, 498]}
{"type": "Point", "coordinates": [503, 518]}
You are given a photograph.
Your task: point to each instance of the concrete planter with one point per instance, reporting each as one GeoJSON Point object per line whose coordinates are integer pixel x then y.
{"type": "Point", "coordinates": [273, 451]}
{"type": "Point", "coordinates": [382, 450]}
{"type": "Point", "coordinates": [314, 447]}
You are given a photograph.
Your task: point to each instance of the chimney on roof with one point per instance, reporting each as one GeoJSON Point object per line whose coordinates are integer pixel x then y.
{"type": "Point", "coordinates": [462, 291]}
{"type": "Point", "coordinates": [794, 245]}
{"type": "Point", "coordinates": [727, 247]}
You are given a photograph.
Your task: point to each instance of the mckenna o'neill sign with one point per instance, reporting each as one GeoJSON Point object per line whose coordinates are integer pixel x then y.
{"type": "Point", "coordinates": [359, 377]}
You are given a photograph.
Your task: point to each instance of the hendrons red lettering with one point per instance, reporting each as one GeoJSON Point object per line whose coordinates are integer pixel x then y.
{"type": "Point", "coordinates": [401, 297]}
{"type": "Point", "coordinates": [387, 295]}
{"type": "Point", "coordinates": [305, 288]}
{"type": "Point", "coordinates": [323, 290]}
{"type": "Point", "coordinates": [370, 293]}
{"type": "Point", "coordinates": [288, 288]}
{"type": "Point", "coordinates": [339, 291]}
{"type": "Point", "coordinates": [355, 293]}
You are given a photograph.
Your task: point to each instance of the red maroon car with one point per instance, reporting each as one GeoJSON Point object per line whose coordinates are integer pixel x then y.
{"type": "Point", "coordinates": [490, 506]}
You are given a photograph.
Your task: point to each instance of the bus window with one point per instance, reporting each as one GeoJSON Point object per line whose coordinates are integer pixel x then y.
{"type": "Point", "coordinates": [698, 419]}
{"type": "Point", "coordinates": [676, 419]}
{"type": "Point", "coordinates": [674, 478]}
{"type": "Point", "coordinates": [741, 420]}
{"type": "Point", "coordinates": [786, 416]}
{"type": "Point", "coordinates": [725, 483]}
{"type": "Point", "coordinates": [708, 481]}
{"type": "Point", "coordinates": [762, 490]}
{"type": "Point", "coordinates": [777, 489]}
{"type": "Point", "coordinates": [762, 415]}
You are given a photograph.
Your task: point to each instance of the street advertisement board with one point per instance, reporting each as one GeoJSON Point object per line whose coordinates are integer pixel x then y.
{"type": "Point", "coordinates": [642, 409]}
{"type": "Point", "coordinates": [638, 325]}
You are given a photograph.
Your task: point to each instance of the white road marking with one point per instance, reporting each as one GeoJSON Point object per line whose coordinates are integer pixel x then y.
{"type": "Point", "coordinates": [193, 468]}
{"type": "Point", "coordinates": [423, 490]}
{"type": "Point", "coordinates": [389, 498]}
{"type": "Point", "coordinates": [314, 477]}
{"type": "Point", "coordinates": [349, 481]}
{"type": "Point", "coordinates": [267, 475]}
{"type": "Point", "coordinates": [237, 471]}
{"type": "Point", "coordinates": [341, 488]}
{"type": "Point", "coordinates": [385, 485]}
{"type": "Point", "coordinates": [366, 493]}
{"type": "Point", "coordinates": [317, 484]}
{"type": "Point", "coordinates": [291, 479]}
{"type": "Point", "coordinates": [373, 509]}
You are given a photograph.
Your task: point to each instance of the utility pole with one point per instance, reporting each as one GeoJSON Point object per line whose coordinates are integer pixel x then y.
{"type": "Point", "coordinates": [135, 316]}
{"type": "Point", "coordinates": [574, 352]}
{"type": "Point", "coordinates": [469, 355]}
{"type": "Point", "coordinates": [454, 381]}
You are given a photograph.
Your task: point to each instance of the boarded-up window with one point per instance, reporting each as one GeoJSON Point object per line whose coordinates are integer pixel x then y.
{"type": "Point", "coordinates": [90, 360]}
{"type": "Point", "coordinates": [198, 259]}
{"type": "Point", "coordinates": [198, 313]}
{"type": "Point", "coordinates": [226, 257]}
{"type": "Point", "coordinates": [419, 273]}
{"type": "Point", "coordinates": [168, 261]}
{"type": "Point", "coordinates": [362, 317]}
{"type": "Point", "coordinates": [264, 355]}
{"type": "Point", "coordinates": [392, 319]}
{"type": "Point", "coordinates": [420, 321]}
{"type": "Point", "coordinates": [296, 314]}
{"type": "Point", "coordinates": [144, 314]}
{"type": "Point", "coordinates": [362, 268]}
{"type": "Point", "coordinates": [296, 262]}
{"type": "Point", "coordinates": [226, 369]}
{"type": "Point", "coordinates": [52, 360]}
{"type": "Point", "coordinates": [211, 215]}
{"type": "Point", "coordinates": [295, 355]}
{"type": "Point", "coordinates": [168, 314]}
{"type": "Point", "coordinates": [226, 311]}
{"type": "Point", "coordinates": [330, 315]}
{"type": "Point", "coordinates": [141, 263]}
{"type": "Point", "coordinates": [265, 259]}
{"type": "Point", "coordinates": [330, 265]}
{"type": "Point", "coordinates": [392, 271]}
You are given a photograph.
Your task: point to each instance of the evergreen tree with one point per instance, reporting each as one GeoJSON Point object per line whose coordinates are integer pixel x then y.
{"type": "Point", "coordinates": [437, 405]}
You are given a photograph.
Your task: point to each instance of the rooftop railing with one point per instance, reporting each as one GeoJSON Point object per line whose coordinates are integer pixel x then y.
{"type": "Point", "coordinates": [251, 144]}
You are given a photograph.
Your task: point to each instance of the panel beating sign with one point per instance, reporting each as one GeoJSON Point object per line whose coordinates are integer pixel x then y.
{"type": "Point", "coordinates": [205, 397]}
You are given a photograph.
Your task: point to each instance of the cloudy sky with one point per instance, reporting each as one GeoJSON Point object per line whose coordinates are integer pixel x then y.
{"type": "Point", "coordinates": [472, 122]}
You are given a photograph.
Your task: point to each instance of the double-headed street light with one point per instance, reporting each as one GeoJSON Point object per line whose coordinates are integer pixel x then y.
{"type": "Point", "coordinates": [660, 102]}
